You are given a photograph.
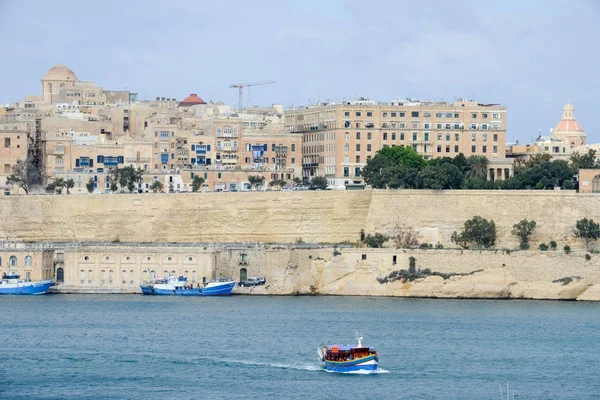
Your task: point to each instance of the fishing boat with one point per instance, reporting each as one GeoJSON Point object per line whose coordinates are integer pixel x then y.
{"type": "Point", "coordinates": [347, 358]}
{"type": "Point", "coordinates": [178, 286]}
{"type": "Point", "coordinates": [13, 284]}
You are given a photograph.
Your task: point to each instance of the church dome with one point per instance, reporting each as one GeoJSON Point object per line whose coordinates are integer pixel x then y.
{"type": "Point", "coordinates": [60, 73]}
{"type": "Point", "coordinates": [191, 100]}
{"type": "Point", "coordinates": [568, 122]}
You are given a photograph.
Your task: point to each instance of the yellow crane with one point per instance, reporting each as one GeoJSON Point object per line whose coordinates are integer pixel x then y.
{"type": "Point", "coordinates": [241, 86]}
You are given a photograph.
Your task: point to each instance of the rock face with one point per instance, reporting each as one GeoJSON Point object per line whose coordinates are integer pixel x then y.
{"type": "Point", "coordinates": [548, 290]}
{"type": "Point", "coordinates": [591, 294]}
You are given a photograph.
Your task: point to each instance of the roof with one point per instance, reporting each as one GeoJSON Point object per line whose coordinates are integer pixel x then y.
{"type": "Point", "coordinates": [191, 100]}
{"type": "Point", "coordinates": [568, 125]}
{"type": "Point", "coordinates": [60, 72]}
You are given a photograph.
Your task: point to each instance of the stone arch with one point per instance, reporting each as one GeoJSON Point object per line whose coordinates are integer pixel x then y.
{"type": "Point", "coordinates": [596, 184]}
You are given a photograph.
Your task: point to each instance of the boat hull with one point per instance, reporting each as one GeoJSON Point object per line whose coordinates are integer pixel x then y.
{"type": "Point", "coordinates": [220, 290]}
{"type": "Point", "coordinates": [362, 364]}
{"type": "Point", "coordinates": [25, 288]}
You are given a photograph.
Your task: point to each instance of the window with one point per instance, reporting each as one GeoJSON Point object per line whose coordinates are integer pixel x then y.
{"type": "Point", "coordinates": [447, 149]}
{"type": "Point", "coordinates": [357, 159]}
{"type": "Point", "coordinates": [364, 257]}
{"type": "Point", "coordinates": [293, 160]}
{"type": "Point", "coordinates": [473, 149]}
{"type": "Point", "coordinates": [369, 114]}
{"type": "Point", "coordinates": [293, 147]}
{"type": "Point", "coordinates": [448, 126]}
{"type": "Point", "coordinates": [358, 113]}
{"type": "Point", "coordinates": [403, 114]}
{"type": "Point", "coordinates": [393, 135]}
{"type": "Point", "coordinates": [426, 136]}
{"type": "Point", "coordinates": [474, 115]}
{"type": "Point", "coordinates": [484, 127]}
{"type": "Point", "coordinates": [347, 147]}
{"type": "Point", "coordinates": [394, 260]}
{"type": "Point", "coordinates": [415, 125]}
{"type": "Point", "coordinates": [357, 171]}
{"type": "Point", "coordinates": [495, 137]}
{"type": "Point", "coordinates": [12, 261]}
{"type": "Point", "coordinates": [346, 172]}
{"type": "Point", "coordinates": [401, 135]}
{"type": "Point", "coordinates": [7, 142]}
{"type": "Point", "coordinates": [473, 126]}
{"type": "Point", "coordinates": [495, 149]}
{"type": "Point", "coordinates": [346, 159]}
{"type": "Point", "coordinates": [439, 136]}
{"type": "Point", "coordinates": [484, 137]}
{"type": "Point", "coordinates": [456, 115]}
{"type": "Point", "coordinates": [484, 149]}
{"type": "Point", "coordinates": [384, 135]}
{"type": "Point", "coordinates": [473, 137]}
{"type": "Point", "coordinates": [414, 114]}
{"type": "Point", "coordinates": [427, 125]}
{"type": "Point", "coordinates": [496, 116]}
{"type": "Point", "coordinates": [415, 136]}
{"type": "Point", "coordinates": [438, 126]}
{"type": "Point", "coordinates": [456, 148]}
{"type": "Point", "coordinates": [28, 261]}
{"type": "Point", "coordinates": [394, 115]}
{"type": "Point", "coordinates": [357, 135]}
{"type": "Point", "coordinates": [439, 148]}
{"type": "Point", "coordinates": [357, 146]}
{"type": "Point", "coordinates": [7, 168]}
{"type": "Point", "coordinates": [484, 115]}
{"type": "Point", "coordinates": [456, 137]}
{"type": "Point", "coordinates": [438, 115]}
{"type": "Point", "coordinates": [368, 135]}
{"type": "Point", "coordinates": [427, 114]}
{"type": "Point", "coordinates": [385, 115]}
{"type": "Point", "coordinates": [369, 147]}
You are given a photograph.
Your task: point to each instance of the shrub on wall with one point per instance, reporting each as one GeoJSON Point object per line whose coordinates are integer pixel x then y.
{"type": "Point", "coordinates": [543, 246]}
{"type": "Point", "coordinates": [567, 249]}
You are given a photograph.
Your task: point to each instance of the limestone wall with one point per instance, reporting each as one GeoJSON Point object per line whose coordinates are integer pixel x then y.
{"type": "Point", "coordinates": [282, 217]}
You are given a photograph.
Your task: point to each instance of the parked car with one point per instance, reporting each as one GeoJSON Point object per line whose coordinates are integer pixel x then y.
{"type": "Point", "coordinates": [248, 283]}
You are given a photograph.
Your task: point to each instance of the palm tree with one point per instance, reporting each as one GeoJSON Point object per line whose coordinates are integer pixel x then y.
{"type": "Point", "coordinates": [477, 167]}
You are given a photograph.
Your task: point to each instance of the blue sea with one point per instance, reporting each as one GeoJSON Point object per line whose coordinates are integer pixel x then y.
{"type": "Point", "coordinates": [242, 347]}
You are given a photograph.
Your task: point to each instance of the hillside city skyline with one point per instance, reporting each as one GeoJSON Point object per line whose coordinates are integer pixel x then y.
{"type": "Point", "coordinates": [392, 52]}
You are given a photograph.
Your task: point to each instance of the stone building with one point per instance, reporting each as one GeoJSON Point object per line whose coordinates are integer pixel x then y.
{"type": "Point", "coordinates": [31, 262]}
{"type": "Point", "coordinates": [339, 139]}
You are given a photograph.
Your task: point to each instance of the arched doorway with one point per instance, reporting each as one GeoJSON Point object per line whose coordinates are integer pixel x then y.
{"type": "Point", "coordinates": [243, 274]}
{"type": "Point", "coordinates": [60, 275]}
{"type": "Point", "coordinates": [596, 184]}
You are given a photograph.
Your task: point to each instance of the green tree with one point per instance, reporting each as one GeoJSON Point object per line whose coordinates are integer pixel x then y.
{"type": "Point", "coordinates": [196, 183]}
{"type": "Point", "coordinates": [51, 188]}
{"type": "Point", "coordinates": [24, 175]}
{"type": "Point", "coordinates": [297, 181]}
{"type": "Point", "coordinates": [59, 184]}
{"type": "Point", "coordinates": [128, 177]}
{"type": "Point", "coordinates": [113, 184]}
{"type": "Point", "coordinates": [523, 230]}
{"type": "Point", "coordinates": [442, 176]}
{"type": "Point", "coordinates": [585, 161]}
{"type": "Point", "coordinates": [478, 231]}
{"type": "Point", "coordinates": [156, 186]}
{"type": "Point", "coordinates": [69, 184]}
{"type": "Point", "coordinates": [256, 180]}
{"type": "Point", "coordinates": [399, 163]}
{"type": "Point", "coordinates": [377, 240]}
{"type": "Point", "coordinates": [318, 182]}
{"type": "Point", "coordinates": [90, 186]}
{"type": "Point", "coordinates": [588, 230]}
{"type": "Point", "coordinates": [477, 167]}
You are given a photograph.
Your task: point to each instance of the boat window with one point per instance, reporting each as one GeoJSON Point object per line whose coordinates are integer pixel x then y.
{"type": "Point", "coordinates": [12, 261]}
{"type": "Point", "coordinates": [28, 261]}
{"type": "Point", "coordinates": [243, 274]}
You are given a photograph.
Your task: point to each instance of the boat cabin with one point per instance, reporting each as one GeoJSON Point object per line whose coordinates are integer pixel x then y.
{"type": "Point", "coordinates": [347, 353]}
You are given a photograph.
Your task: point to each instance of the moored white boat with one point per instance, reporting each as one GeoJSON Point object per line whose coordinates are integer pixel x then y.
{"type": "Point", "coordinates": [178, 286]}
{"type": "Point", "coordinates": [13, 284]}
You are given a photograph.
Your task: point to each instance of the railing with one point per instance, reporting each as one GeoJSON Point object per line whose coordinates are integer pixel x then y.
{"type": "Point", "coordinates": [138, 160]}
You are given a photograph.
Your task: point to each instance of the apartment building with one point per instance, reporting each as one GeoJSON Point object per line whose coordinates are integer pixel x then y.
{"type": "Point", "coordinates": [339, 139]}
{"type": "Point", "coordinates": [13, 147]}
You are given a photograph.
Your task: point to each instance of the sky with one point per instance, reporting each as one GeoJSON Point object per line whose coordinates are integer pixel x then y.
{"type": "Point", "coordinates": [531, 56]}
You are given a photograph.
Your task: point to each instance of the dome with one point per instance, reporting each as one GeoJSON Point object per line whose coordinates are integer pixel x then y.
{"type": "Point", "coordinates": [568, 126]}
{"type": "Point", "coordinates": [191, 100]}
{"type": "Point", "coordinates": [568, 106]}
{"type": "Point", "coordinates": [60, 73]}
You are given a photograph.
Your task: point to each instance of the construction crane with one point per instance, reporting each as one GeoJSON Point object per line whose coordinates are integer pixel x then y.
{"type": "Point", "coordinates": [241, 86]}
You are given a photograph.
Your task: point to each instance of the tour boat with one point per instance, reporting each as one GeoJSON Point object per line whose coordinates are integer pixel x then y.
{"type": "Point", "coordinates": [13, 284]}
{"type": "Point", "coordinates": [347, 358]}
{"type": "Point", "coordinates": [173, 286]}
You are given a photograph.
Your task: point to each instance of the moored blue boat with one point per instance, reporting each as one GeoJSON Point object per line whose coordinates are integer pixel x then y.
{"type": "Point", "coordinates": [348, 358]}
{"type": "Point", "coordinates": [13, 284]}
{"type": "Point", "coordinates": [172, 286]}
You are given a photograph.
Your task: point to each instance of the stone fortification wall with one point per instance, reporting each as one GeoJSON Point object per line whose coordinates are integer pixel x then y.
{"type": "Point", "coordinates": [282, 217]}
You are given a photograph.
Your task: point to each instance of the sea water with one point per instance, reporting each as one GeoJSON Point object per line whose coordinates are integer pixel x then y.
{"type": "Point", "coordinates": [143, 347]}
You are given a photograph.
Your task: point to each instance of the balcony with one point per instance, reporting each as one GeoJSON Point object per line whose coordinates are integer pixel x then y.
{"type": "Point", "coordinates": [226, 148]}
